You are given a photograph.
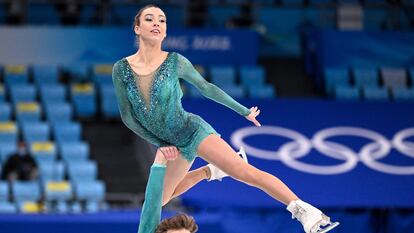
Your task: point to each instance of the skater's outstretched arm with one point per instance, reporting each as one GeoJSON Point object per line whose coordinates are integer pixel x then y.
{"type": "Point", "coordinates": [187, 72]}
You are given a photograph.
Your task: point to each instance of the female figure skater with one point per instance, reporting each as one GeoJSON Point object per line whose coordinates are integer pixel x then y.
{"type": "Point", "coordinates": [149, 97]}
{"type": "Point", "coordinates": [151, 210]}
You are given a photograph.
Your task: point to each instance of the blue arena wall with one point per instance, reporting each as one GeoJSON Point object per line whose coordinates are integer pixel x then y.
{"type": "Point", "coordinates": [82, 45]}
{"type": "Point", "coordinates": [333, 154]}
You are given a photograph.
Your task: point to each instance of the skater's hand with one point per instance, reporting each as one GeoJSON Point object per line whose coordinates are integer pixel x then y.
{"type": "Point", "coordinates": [164, 154]}
{"type": "Point", "coordinates": [254, 112]}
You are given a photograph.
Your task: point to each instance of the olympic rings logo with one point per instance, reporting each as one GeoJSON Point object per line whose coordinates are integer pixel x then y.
{"type": "Point", "coordinates": [300, 146]}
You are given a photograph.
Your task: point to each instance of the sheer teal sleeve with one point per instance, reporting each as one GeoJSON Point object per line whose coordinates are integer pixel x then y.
{"type": "Point", "coordinates": [125, 107]}
{"type": "Point", "coordinates": [187, 72]}
{"type": "Point", "coordinates": [151, 210]}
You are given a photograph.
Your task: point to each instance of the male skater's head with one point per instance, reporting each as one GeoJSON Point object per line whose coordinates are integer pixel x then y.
{"type": "Point", "coordinates": [181, 223]}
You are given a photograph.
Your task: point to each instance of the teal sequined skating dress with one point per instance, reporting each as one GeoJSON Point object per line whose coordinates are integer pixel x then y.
{"type": "Point", "coordinates": [151, 105]}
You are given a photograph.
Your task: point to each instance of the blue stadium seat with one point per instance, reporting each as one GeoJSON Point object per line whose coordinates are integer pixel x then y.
{"type": "Point", "coordinates": [42, 14]}
{"type": "Point", "coordinates": [78, 72]}
{"type": "Point", "coordinates": [83, 97]}
{"type": "Point", "coordinates": [375, 18]}
{"type": "Point", "coordinates": [365, 77]}
{"type": "Point", "coordinates": [28, 112]}
{"type": "Point", "coordinates": [67, 132]}
{"type": "Point", "coordinates": [58, 112]}
{"type": "Point", "coordinates": [88, 13]}
{"type": "Point", "coordinates": [15, 74]}
{"type": "Point", "coordinates": [25, 191]}
{"type": "Point", "coordinates": [7, 207]}
{"type": "Point", "coordinates": [403, 94]}
{"type": "Point", "coordinates": [82, 170]}
{"type": "Point", "coordinates": [274, 19]}
{"type": "Point", "coordinates": [35, 132]}
{"type": "Point", "coordinates": [7, 149]}
{"type": "Point", "coordinates": [22, 93]}
{"type": "Point", "coordinates": [29, 207]}
{"type": "Point", "coordinates": [252, 75]}
{"type": "Point", "coordinates": [8, 132]}
{"type": "Point", "coordinates": [176, 16]}
{"type": "Point", "coordinates": [45, 74]}
{"type": "Point", "coordinates": [347, 93]}
{"type": "Point", "coordinates": [52, 93]}
{"type": "Point", "coordinates": [93, 190]}
{"type": "Point", "coordinates": [75, 207]}
{"type": "Point", "coordinates": [2, 92]}
{"type": "Point", "coordinates": [51, 171]}
{"type": "Point", "coordinates": [5, 112]}
{"type": "Point", "coordinates": [92, 206]}
{"type": "Point", "coordinates": [262, 92]}
{"type": "Point", "coordinates": [394, 77]}
{"type": "Point", "coordinates": [43, 152]}
{"type": "Point", "coordinates": [102, 74]}
{"type": "Point", "coordinates": [375, 93]}
{"type": "Point", "coordinates": [223, 75]}
{"type": "Point", "coordinates": [4, 191]}
{"type": "Point", "coordinates": [123, 13]}
{"type": "Point", "coordinates": [74, 151]}
{"type": "Point", "coordinates": [335, 77]}
{"type": "Point", "coordinates": [219, 16]}
{"type": "Point", "coordinates": [57, 191]}
{"type": "Point", "coordinates": [109, 103]}
{"type": "Point", "coordinates": [235, 91]}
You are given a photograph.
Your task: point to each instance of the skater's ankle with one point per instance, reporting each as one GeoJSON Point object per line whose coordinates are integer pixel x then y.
{"type": "Point", "coordinates": [207, 172]}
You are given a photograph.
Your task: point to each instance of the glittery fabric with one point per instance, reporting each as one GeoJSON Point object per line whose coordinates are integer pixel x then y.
{"type": "Point", "coordinates": [161, 119]}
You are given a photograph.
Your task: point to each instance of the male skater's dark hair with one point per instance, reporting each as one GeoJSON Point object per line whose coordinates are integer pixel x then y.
{"type": "Point", "coordinates": [181, 221]}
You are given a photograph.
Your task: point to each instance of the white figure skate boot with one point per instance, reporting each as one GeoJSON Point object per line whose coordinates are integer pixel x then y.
{"type": "Point", "coordinates": [217, 174]}
{"type": "Point", "coordinates": [312, 219]}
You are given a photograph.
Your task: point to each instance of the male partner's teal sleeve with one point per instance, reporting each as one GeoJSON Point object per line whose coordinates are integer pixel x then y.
{"type": "Point", "coordinates": [151, 210]}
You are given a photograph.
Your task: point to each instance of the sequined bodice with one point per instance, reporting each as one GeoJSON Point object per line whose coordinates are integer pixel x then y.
{"type": "Point", "coordinates": [154, 110]}
{"type": "Point", "coordinates": [145, 83]}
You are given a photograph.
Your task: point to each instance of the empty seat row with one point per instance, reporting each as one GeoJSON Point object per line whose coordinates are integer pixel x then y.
{"type": "Point", "coordinates": [237, 91]}
{"type": "Point", "coordinates": [44, 74]}
{"type": "Point", "coordinates": [26, 196]}
{"type": "Point", "coordinates": [34, 112]}
{"type": "Point", "coordinates": [368, 77]}
{"type": "Point", "coordinates": [66, 131]}
{"type": "Point", "coordinates": [49, 151]}
{"type": "Point", "coordinates": [398, 94]}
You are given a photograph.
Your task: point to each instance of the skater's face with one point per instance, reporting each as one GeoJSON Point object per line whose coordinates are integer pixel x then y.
{"type": "Point", "coordinates": [178, 231]}
{"type": "Point", "coordinates": [152, 25]}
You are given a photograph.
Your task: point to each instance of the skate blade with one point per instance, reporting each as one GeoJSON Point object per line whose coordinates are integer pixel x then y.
{"type": "Point", "coordinates": [329, 227]}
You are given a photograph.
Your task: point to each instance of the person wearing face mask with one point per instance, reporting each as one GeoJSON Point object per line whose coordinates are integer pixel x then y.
{"type": "Point", "coordinates": [149, 98]}
{"type": "Point", "coordinates": [151, 210]}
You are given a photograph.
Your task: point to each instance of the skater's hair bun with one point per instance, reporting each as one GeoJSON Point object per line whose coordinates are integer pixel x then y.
{"type": "Point", "coordinates": [178, 222]}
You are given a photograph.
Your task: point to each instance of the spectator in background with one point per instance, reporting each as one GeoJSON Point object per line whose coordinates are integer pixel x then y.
{"type": "Point", "coordinates": [245, 19]}
{"type": "Point", "coordinates": [20, 166]}
{"type": "Point", "coordinates": [15, 11]}
{"type": "Point", "coordinates": [69, 11]}
{"type": "Point", "coordinates": [197, 13]}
